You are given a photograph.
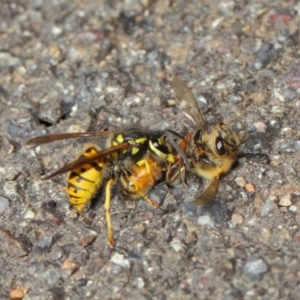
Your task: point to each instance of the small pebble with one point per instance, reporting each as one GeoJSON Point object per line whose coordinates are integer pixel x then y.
{"type": "Point", "coordinates": [120, 260]}
{"type": "Point", "coordinates": [45, 242]}
{"type": "Point", "coordinates": [255, 269]}
{"type": "Point", "coordinates": [260, 127]}
{"type": "Point", "coordinates": [285, 200]}
{"type": "Point", "coordinates": [240, 181]}
{"type": "Point", "coordinates": [293, 208]}
{"type": "Point", "coordinates": [4, 204]}
{"type": "Point", "coordinates": [87, 237]}
{"type": "Point", "coordinates": [237, 218]}
{"type": "Point", "coordinates": [17, 294]}
{"type": "Point", "coordinates": [140, 283]}
{"type": "Point", "coordinates": [56, 30]}
{"type": "Point", "coordinates": [29, 214]}
{"type": "Point", "coordinates": [283, 209]}
{"type": "Point", "coordinates": [69, 265]}
{"type": "Point", "coordinates": [191, 237]}
{"type": "Point", "coordinates": [272, 197]}
{"type": "Point", "coordinates": [177, 245]}
{"type": "Point", "coordinates": [10, 188]}
{"type": "Point", "coordinates": [267, 207]}
{"type": "Point", "coordinates": [250, 188]}
{"type": "Point", "coordinates": [205, 220]}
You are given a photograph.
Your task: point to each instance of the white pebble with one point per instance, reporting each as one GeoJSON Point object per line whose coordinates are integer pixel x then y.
{"type": "Point", "coordinates": [240, 181]}
{"type": "Point", "coordinates": [293, 208]}
{"type": "Point", "coordinates": [177, 245]}
{"type": "Point", "coordinates": [260, 127]}
{"type": "Point", "coordinates": [285, 200]}
{"type": "Point", "coordinates": [56, 30]}
{"type": "Point", "coordinates": [4, 204]}
{"type": "Point", "coordinates": [29, 214]}
{"type": "Point", "coordinates": [120, 260]}
{"type": "Point", "coordinates": [205, 220]}
{"type": "Point", "coordinates": [237, 218]}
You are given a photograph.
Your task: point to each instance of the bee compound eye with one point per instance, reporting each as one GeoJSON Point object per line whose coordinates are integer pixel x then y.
{"type": "Point", "coordinates": [220, 146]}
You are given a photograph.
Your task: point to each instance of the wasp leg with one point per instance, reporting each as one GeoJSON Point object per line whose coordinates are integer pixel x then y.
{"type": "Point", "coordinates": [143, 162]}
{"type": "Point", "coordinates": [151, 202]}
{"type": "Point", "coordinates": [107, 211]}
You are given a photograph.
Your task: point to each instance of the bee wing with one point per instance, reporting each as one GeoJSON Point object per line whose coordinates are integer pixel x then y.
{"type": "Point", "coordinates": [188, 104]}
{"type": "Point", "coordinates": [86, 160]}
{"type": "Point", "coordinates": [49, 138]}
{"type": "Point", "coordinates": [209, 193]}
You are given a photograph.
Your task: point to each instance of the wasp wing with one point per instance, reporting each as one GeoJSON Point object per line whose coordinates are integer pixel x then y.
{"type": "Point", "coordinates": [188, 104]}
{"type": "Point", "coordinates": [49, 138]}
{"type": "Point", "coordinates": [209, 193]}
{"type": "Point", "coordinates": [86, 160]}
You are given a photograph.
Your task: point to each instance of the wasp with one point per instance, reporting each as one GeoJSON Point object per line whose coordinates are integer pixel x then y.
{"type": "Point", "coordinates": [210, 153]}
{"type": "Point", "coordinates": [133, 160]}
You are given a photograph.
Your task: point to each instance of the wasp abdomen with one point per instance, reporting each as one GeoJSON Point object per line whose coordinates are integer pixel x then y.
{"type": "Point", "coordinates": [84, 181]}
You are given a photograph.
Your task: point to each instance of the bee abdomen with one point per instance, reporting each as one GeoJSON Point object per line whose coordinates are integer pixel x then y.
{"type": "Point", "coordinates": [143, 177]}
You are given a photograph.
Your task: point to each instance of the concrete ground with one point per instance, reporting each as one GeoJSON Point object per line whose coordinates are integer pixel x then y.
{"type": "Point", "coordinates": [68, 66]}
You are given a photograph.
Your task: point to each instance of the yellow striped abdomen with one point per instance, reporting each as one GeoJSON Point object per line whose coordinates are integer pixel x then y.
{"type": "Point", "coordinates": [84, 181]}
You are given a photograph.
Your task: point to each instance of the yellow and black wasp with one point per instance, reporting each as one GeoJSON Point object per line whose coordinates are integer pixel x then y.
{"type": "Point", "coordinates": [134, 159]}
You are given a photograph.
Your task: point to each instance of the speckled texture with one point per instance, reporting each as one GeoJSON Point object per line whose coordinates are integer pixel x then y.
{"type": "Point", "coordinates": [69, 66]}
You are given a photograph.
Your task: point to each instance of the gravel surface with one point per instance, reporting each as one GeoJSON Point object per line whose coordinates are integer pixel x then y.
{"type": "Point", "coordinates": [68, 66]}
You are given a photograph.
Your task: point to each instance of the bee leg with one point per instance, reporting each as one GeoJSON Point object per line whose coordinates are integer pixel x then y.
{"type": "Point", "coordinates": [172, 173]}
{"type": "Point", "coordinates": [209, 193]}
{"type": "Point", "coordinates": [184, 175]}
{"type": "Point", "coordinates": [107, 211]}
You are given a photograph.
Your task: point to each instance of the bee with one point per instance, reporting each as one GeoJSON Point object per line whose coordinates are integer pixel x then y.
{"type": "Point", "coordinates": [133, 160]}
{"type": "Point", "coordinates": [210, 153]}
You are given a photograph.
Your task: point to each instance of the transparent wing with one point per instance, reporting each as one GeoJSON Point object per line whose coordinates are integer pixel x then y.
{"type": "Point", "coordinates": [209, 193]}
{"type": "Point", "coordinates": [49, 138]}
{"type": "Point", "coordinates": [86, 160]}
{"type": "Point", "coordinates": [188, 104]}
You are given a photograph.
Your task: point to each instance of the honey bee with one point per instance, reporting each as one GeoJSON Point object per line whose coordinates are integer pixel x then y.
{"type": "Point", "coordinates": [211, 154]}
{"type": "Point", "coordinates": [133, 160]}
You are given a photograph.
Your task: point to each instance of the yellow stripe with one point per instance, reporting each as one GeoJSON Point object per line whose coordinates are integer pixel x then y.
{"type": "Point", "coordinates": [134, 150]}
{"type": "Point", "coordinates": [156, 151]}
{"type": "Point", "coordinates": [171, 158]}
{"type": "Point", "coordinates": [120, 138]}
{"type": "Point", "coordinates": [160, 140]}
{"type": "Point", "coordinates": [141, 140]}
